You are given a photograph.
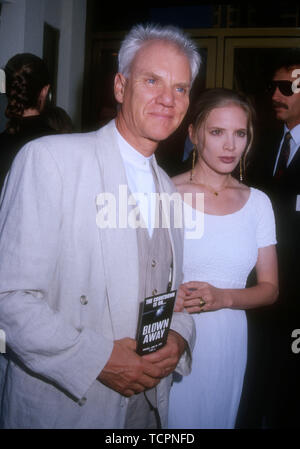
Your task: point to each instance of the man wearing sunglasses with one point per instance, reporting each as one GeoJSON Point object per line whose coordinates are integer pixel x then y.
{"type": "Point", "coordinates": [276, 169]}
{"type": "Point", "coordinates": [286, 104]}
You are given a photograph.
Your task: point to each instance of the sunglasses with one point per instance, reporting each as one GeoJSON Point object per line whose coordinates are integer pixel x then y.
{"type": "Point", "coordinates": [284, 86]}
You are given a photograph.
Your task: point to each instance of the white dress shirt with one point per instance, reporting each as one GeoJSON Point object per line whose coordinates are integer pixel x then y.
{"type": "Point", "coordinates": [294, 144]}
{"type": "Point", "coordinates": [140, 180]}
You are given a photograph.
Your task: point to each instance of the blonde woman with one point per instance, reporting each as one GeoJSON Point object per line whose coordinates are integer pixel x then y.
{"type": "Point", "coordinates": [239, 233]}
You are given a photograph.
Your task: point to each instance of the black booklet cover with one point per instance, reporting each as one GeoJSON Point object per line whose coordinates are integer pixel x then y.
{"type": "Point", "coordinates": [154, 322]}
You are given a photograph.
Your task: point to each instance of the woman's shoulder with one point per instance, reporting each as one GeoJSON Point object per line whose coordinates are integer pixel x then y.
{"type": "Point", "coordinates": [259, 195]}
{"type": "Point", "coordinates": [260, 203]}
{"type": "Point", "coordinates": [263, 215]}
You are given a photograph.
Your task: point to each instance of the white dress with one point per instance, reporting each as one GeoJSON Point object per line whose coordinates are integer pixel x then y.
{"type": "Point", "coordinates": [224, 256]}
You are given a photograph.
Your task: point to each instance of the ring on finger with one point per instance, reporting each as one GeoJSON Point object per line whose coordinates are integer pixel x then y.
{"type": "Point", "coordinates": [201, 302]}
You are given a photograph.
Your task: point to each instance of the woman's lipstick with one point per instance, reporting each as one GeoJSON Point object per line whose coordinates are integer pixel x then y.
{"type": "Point", "coordinates": [227, 159]}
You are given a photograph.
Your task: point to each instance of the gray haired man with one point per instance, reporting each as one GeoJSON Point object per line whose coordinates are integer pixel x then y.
{"type": "Point", "coordinates": [69, 291]}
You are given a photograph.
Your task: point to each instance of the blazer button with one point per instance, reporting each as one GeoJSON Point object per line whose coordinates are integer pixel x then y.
{"type": "Point", "coordinates": [153, 263]}
{"type": "Point", "coordinates": [83, 300]}
{"type": "Point", "coordinates": [82, 401]}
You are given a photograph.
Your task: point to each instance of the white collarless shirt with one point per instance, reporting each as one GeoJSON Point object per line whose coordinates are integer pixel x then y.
{"type": "Point", "coordinates": [294, 144]}
{"type": "Point", "coordinates": [140, 180]}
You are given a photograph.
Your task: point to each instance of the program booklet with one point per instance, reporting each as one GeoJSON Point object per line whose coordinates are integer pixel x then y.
{"type": "Point", "coordinates": [154, 322]}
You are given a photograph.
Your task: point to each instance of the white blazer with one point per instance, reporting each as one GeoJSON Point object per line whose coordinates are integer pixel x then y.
{"type": "Point", "coordinates": [67, 288]}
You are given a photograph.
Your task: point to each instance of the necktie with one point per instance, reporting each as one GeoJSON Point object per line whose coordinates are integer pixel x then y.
{"type": "Point", "coordinates": [284, 155]}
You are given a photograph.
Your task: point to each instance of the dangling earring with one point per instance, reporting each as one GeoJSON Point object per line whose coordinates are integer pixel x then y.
{"type": "Point", "coordinates": [241, 170]}
{"type": "Point", "coordinates": [193, 163]}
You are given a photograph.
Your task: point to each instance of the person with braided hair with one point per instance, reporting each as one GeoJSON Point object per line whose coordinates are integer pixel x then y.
{"type": "Point", "coordinates": [27, 87]}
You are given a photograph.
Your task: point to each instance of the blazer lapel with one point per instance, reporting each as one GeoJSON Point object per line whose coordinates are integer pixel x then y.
{"type": "Point", "coordinates": [295, 161]}
{"type": "Point", "coordinates": [176, 235]}
{"type": "Point", "coordinates": [291, 179]}
{"type": "Point", "coordinates": [274, 142]}
{"type": "Point", "coordinates": [118, 245]}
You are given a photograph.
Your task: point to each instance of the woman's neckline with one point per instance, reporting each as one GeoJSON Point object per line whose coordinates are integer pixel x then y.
{"type": "Point", "coordinates": [225, 215]}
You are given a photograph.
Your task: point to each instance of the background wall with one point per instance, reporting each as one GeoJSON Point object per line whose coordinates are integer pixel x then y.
{"type": "Point", "coordinates": [21, 31]}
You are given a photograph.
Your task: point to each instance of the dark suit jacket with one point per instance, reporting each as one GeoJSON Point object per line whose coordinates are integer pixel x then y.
{"type": "Point", "coordinates": [283, 194]}
{"type": "Point", "coordinates": [272, 368]}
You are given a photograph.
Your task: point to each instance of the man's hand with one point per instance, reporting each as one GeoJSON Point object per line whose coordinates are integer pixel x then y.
{"type": "Point", "coordinates": [168, 357]}
{"type": "Point", "coordinates": [128, 373]}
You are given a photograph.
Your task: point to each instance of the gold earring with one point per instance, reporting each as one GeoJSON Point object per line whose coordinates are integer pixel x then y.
{"type": "Point", "coordinates": [241, 170]}
{"type": "Point", "coordinates": [193, 164]}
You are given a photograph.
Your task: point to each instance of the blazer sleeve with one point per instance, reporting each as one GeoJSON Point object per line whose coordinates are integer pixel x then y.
{"type": "Point", "coordinates": [30, 220]}
{"type": "Point", "coordinates": [183, 324]}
